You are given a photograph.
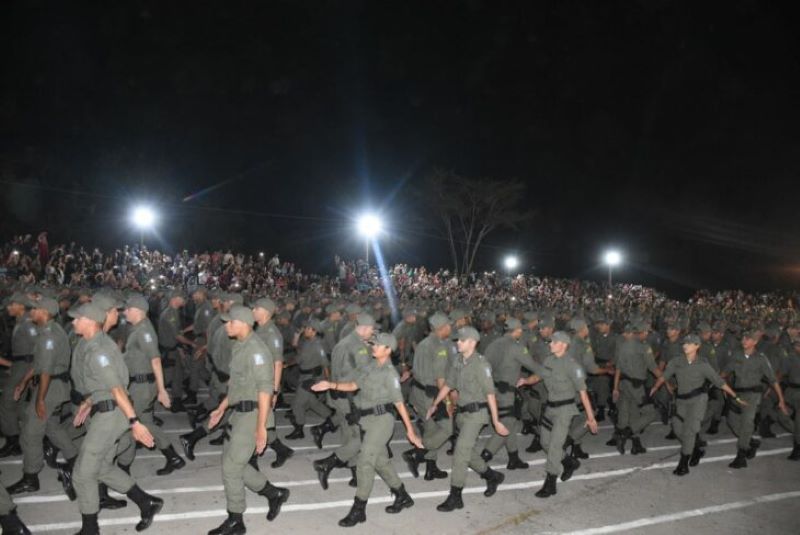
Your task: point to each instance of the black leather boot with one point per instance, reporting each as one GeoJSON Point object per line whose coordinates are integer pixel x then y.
{"type": "Point", "coordinates": [683, 466]}
{"type": "Point", "coordinates": [11, 447]}
{"type": "Point", "coordinates": [493, 480]}
{"type": "Point", "coordinates": [578, 452]}
{"type": "Point", "coordinates": [296, 434]}
{"type": "Point", "coordinates": [600, 416]}
{"type": "Point", "coordinates": [452, 502]}
{"type": "Point", "coordinates": [174, 462]}
{"type": "Point", "coordinates": [149, 506]}
{"type": "Point", "coordinates": [282, 453]}
{"type": "Point", "coordinates": [106, 501]}
{"type": "Point", "coordinates": [357, 514]}
{"type": "Point", "coordinates": [764, 428]}
{"type": "Point", "coordinates": [536, 445]}
{"type": "Point", "coordinates": [515, 463]}
{"type": "Point", "coordinates": [570, 464]}
{"type": "Point", "coordinates": [402, 500]}
{"type": "Point", "coordinates": [276, 497]}
{"type": "Point", "coordinates": [65, 476]}
{"type": "Point", "coordinates": [713, 428]}
{"type": "Point", "coordinates": [324, 468]}
{"type": "Point", "coordinates": [220, 439]}
{"type": "Point", "coordinates": [433, 472]}
{"type": "Point", "coordinates": [795, 455]}
{"type": "Point", "coordinates": [741, 459]}
{"type": "Point", "coordinates": [197, 416]}
{"type": "Point", "coordinates": [50, 453]}
{"type": "Point", "coordinates": [549, 487]}
{"type": "Point", "coordinates": [413, 458]}
{"type": "Point", "coordinates": [697, 453]}
{"type": "Point", "coordinates": [89, 525]}
{"type": "Point", "coordinates": [190, 440]}
{"type": "Point", "coordinates": [12, 525]}
{"type": "Point", "coordinates": [233, 525]}
{"type": "Point", "coordinates": [319, 431]}
{"type": "Point", "coordinates": [637, 447]}
{"type": "Point", "coordinates": [28, 483]}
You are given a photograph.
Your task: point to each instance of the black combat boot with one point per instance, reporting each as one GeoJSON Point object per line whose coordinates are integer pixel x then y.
{"type": "Point", "coordinates": [276, 497]}
{"type": "Point", "coordinates": [528, 427]}
{"type": "Point", "coordinates": [741, 459]}
{"type": "Point", "coordinates": [452, 502]}
{"type": "Point", "coordinates": [254, 461]}
{"type": "Point", "coordinates": [12, 525]}
{"type": "Point", "coordinates": [570, 464]}
{"type": "Point", "coordinates": [65, 476]}
{"type": "Point", "coordinates": [713, 428]}
{"type": "Point", "coordinates": [549, 487]}
{"type": "Point", "coordinates": [324, 468]}
{"type": "Point", "coordinates": [515, 463]}
{"type": "Point", "coordinates": [697, 453]}
{"type": "Point", "coordinates": [413, 458]}
{"type": "Point", "coordinates": [536, 445]}
{"type": "Point", "coordinates": [353, 477]}
{"type": "Point", "coordinates": [318, 432]}
{"type": "Point", "coordinates": [433, 472]}
{"type": "Point", "coordinates": [177, 406]}
{"type": "Point", "coordinates": [11, 447]}
{"type": "Point", "coordinates": [637, 447]}
{"type": "Point", "coordinates": [357, 514]}
{"type": "Point", "coordinates": [754, 445]}
{"type": "Point", "coordinates": [197, 416]}
{"type": "Point", "coordinates": [220, 439]}
{"type": "Point", "coordinates": [683, 466]}
{"type": "Point", "coordinates": [282, 453]}
{"type": "Point", "coordinates": [622, 438]}
{"type": "Point", "coordinates": [764, 428]}
{"type": "Point", "coordinates": [106, 501]}
{"type": "Point", "coordinates": [50, 453]}
{"type": "Point", "coordinates": [578, 452]}
{"type": "Point", "coordinates": [600, 416]}
{"type": "Point", "coordinates": [174, 461]}
{"type": "Point", "coordinates": [671, 435]}
{"type": "Point", "coordinates": [191, 398]}
{"type": "Point", "coordinates": [190, 440]}
{"type": "Point", "coordinates": [795, 455]}
{"type": "Point", "coordinates": [149, 506]}
{"type": "Point", "coordinates": [89, 525]}
{"type": "Point", "coordinates": [296, 434]}
{"type": "Point", "coordinates": [233, 525]}
{"type": "Point", "coordinates": [28, 483]}
{"type": "Point", "coordinates": [401, 500]}
{"type": "Point", "coordinates": [493, 480]}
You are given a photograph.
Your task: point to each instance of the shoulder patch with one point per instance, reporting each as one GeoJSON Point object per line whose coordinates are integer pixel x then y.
{"type": "Point", "coordinates": [32, 331]}
{"type": "Point", "coordinates": [396, 382]}
{"type": "Point", "coordinates": [277, 343]}
{"type": "Point", "coordinates": [488, 371]}
{"type": "Point", "coordinates": [104, 361]}
{"type": "Point", "coordinates": [148, 338]}
{"type": "Point", "coordinates": [49, 345]}
{"type": "Point", "coordinates": [258, 359]}
{"type": "Point", "coordinates": [579, 373]}
{"type": "Point", "coordinates": [442, 353]}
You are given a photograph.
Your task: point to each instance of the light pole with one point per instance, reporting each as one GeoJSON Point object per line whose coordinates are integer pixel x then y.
{"type": "Point", "coordinates": [612, 259]}
{"type": "Point", "coordinates": [369, 226]}
{"type": "Point", "coordinates": [511, 263]}
{"type": "Point", "coordinates": [143, 218]}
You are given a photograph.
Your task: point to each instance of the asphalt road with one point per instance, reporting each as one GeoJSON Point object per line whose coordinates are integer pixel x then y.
{"type": "Point", "coordinates": [608, 494]}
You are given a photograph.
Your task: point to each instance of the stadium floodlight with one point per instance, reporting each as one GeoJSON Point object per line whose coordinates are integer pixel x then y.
{"type": "Point", "coordinates": [143, 218]}
{"type": "Point", "coordinates": [612, 259]}
{"type": "Point", "coordinates": [369, 226]}
{"type": "Point", "coordinates": [511, 263]}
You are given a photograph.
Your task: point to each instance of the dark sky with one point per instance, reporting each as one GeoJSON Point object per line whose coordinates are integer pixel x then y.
{"type": "Point", "coordinates": [668, 129]}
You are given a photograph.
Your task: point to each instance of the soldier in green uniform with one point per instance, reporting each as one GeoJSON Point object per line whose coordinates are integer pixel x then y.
{"type": "Point", "coordinates": [352, 310]}
{"type": "Point", "coordinates": [536, 396]}
{"type": "Point", "coordinates": [313, 365]}
{"type": "Point", "coordinates": [378, 386]}
{"type": "Point", "coordinates": [331, 327]}
{"type": "Point", "coordinates": [791, 378]}
{"type": "Point", "coordinates": [565, 380]}
{"type": "Point", "coordinates": [405, 332]}
{"type": "Point", "coordinates": [749, 367]}
{"type": "Point", "coordinates": [169, 340]}
{"type": "Point", "coordinates": [350, 355]}
{"type": "Point", "coordinates": [23, 338]}
{"type": "Point", "coordinates": [692, 375]}
{"type": "Point", "coordinates": [203, 313]}
{"type": "Point", "coordinates": [507, 356]}
{"type": "Point", "coordinates": [143, 361]}
{"type": "Point", "coordinates": [777, 355]}
{"type": "Point", "coordinates": [604, 345]}
{"type": "Point", "coordinates": [471, 376]}
{"type": "Point", "coordinates": [10, 522]}
{"type": "Point", "coordinates": [263, 310]}
{"type": "Point", "coordinates": [104, 376]}
{"type": "Point", "coordinates": [430, 364]}
{"type": "Point", "coordinates": [42, 411]}
{"type": "Point", "coordinates": [250, 399]}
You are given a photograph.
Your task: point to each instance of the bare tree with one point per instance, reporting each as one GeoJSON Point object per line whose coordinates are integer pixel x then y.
{"type": "Point", "coordinates": [469, 209]}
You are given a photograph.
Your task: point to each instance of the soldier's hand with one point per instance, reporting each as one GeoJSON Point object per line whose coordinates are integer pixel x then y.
{"type": "Point", "coordinates": [261, 440]}
{"type": "Point", "coordinates": [163, 398]}
{"type": "Point", "coordinates": [521, 382]}
{"type": "Point", "coordinates": [414, 439]}
{"type": "Point", "coordinates": [615, 395]}
{"type": "Point", "coordinates": [142, 434]}
{"type": "Point", "coordinates": [82, 414]}
{"type": "Point", "coordinates": [405, 376]}
{"type": "Point", "coordinates": [18, 391]}
{"type": "Point", "coordinates": [321, 386]}
{"type": "Point", "coordinates": [500, 429]}
{"type": "Point", "coordinates": [41, 410]}
{"type": "Point", "coordinates": [652, 392]}
{"type": "Point", "coordinates": [431, 410]}
{"type": "Point", "coordinates": [592, 425]}
{"type": "Point", "coordinates": [214, 418]}
{"type": "Point", "coordinates": [783, 408]}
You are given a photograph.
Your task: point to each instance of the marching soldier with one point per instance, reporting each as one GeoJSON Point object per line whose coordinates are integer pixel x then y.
{"type": "Point", "coordinates": [169, 340]}
{"type": "Point", "coordinates": [10, 522]}
{"type": "Point", "coordinates": [791, 377]}
{"type": "Point", "coordinates": [313, 365]}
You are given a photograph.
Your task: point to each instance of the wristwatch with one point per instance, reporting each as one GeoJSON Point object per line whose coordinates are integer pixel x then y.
{"type": "Point", "coordinates": [133, 420]}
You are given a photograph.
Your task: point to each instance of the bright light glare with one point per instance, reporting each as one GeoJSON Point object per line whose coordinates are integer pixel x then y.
{"type": "Point", "coordinates": [143, 217]}
{"type": "Point", "coordinates": [511, 262]}
{"type": "Point", "coordinates": [369, 225]}
{"type": "Point", "coordinates": [613, 258]}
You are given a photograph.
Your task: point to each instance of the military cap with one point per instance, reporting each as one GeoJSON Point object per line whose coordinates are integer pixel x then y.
{"type": "Point", "coordinates": [385, 339]}
{"type": "Point", "coordinates": [107, 301]}
{"type": "Point", "coordinates": [313, 323]}
{"type": "Point", "coordinates": [468, 333]}
{"type": "Point", "coordinates": [234, 298]}
{"type": "Point", "coordinates": [438, 320]}
{"type": "Point", "coordinates": [365, 320]}
{"type": "Point", "coordinates": [576, 324]}
{"type": "Point", "coordinates": [91, 311]}
{"type": "Point", "coordinates": [352, 308]}
{"type": "Point", "coordinates": [547, 321]}
{"type": "Point", "coordinates": [457, 314]}
{"type": "Point", "coordinates": [18, 297]}
{"type": "Point", "coordinates": [239, 313]}
{"type": "Point", "coordinates": [561, 336]}
{"type": "Point", "coordinates": [46, 303]}
{"type": "Point", "coordinates": [692, 339]}
{"type": "Point", "coordinates": [265, 303]}
{"type": "Point", "coordinates": [137, 301]}
{"type": "Point", "coordinates": [512, 324]}
{"type": "Point", "coordinates": [703, 327]}
{"type": "Point", "coordinates": [530, 316]}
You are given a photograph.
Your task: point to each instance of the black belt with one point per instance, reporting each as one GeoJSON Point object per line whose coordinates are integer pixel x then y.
{"type": "Point", "coordinates": [753, 389]}
{"type": "Point", "coordinates": [76, 397]}
{"type": "Point", "coordinates": [164, 349]}
{"type": "Point", "coordinates": [377, 410]}
{"type": "Point", "coordinates": [311, 371]}
{"type": "Point", "coordinates": [337, 395]}
{"type": "Point", "coordinates": [503, 387]}
{"type": "Point", "coordinates": [506, 411]}
{"type": "Point", "coordinates": [21, 358]}
{"type": "Point", "coordinates": [554, 404]}
{"type": "Point", "coordinates": [106, 405]}
{"type": "Point", "coordinates": [694, 393]}
{"type": "Point", "coordinates": [143, 378]}
{"type": "Point", "coordinates": [635, 382]}
{"type": "Point", "coordinates": [222, 376]}
{"type": "Point", "coordinates": [430, 391]}
{"type": "Point", "coordinates": [61, 377]}
{"type": "Point", "coordinates": [473, 407]}
{"type": "Point", "coordinates": [245, 406]}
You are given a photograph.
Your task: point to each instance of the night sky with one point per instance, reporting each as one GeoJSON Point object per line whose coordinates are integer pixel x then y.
{"type": "Point", "coordinates": [667, 129]}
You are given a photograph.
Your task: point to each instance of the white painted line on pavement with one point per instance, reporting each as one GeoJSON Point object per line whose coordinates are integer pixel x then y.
{"type": "Point", "coordinates": [682, 515]}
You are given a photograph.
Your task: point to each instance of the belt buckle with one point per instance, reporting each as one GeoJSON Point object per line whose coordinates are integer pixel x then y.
{"type": "Point", "coordinates": [380, 409]}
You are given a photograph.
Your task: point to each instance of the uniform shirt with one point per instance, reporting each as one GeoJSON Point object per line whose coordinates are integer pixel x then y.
{"type": "Point", "coordinates": [776, 354]}
{"type": "Point", "coordinates": [791, 368]}
{"type": "Point", "coordinates": [722, 353]}
{"type": "Point", "coordinates": [529, 338]}
{"type": "Point", "coordinates": [347, 328]}
{"type": "Point", "coordinates": [471, 377]}
{"type": "Point", "coordinates": [140, 348]}
{"type": "Point", "coordinates": [214, 324]}
{"type": "Point", "coordinates": [431, 360]}
{"type": "Point", "coordinates": [51, 356]}
{"type": "Point", "coordinates": [634, 359]}
{"type": "Point", "coordinates": [540, 350]}
{"type": "Point", "coordinates": [350, 354]}
{"type": "Point", "coordinates": [507, 357]}
{"type": "Point", "coordinates": [749, 370]}
{"type": "Point", "coordinates": [312, 355]}
{"type": "Point", "coordinates": [330, 334]}
{"type": "Point", "coordinates": [252, 370]}
{"type": "Point", "coordinates": [104, 367]}
{"type": "Point", "coordinates": [273, 338]}
{"type": "Point", "coordinates": [691, 375]}
{"type": "Point", "coordinates": [581, 351]}
{"type": "Point", "coordinates": [76, 366]}
{"type": "Point", "coordinates": [671, 350]}
{"type": "Point", "coordinates": [23, 337]}
{"type": "Point", "coordinates": [563, 377]}
{"type": "Point", "coordinates": [604, 347]}
{"type": "Point", "coordinates": [405, 331]}
{"type": "Point", "coordinates": [202, 318]}
{"type": "Point", "coordinates": [377, 385]}
{"type": "Point", "coordinates": [169, 326]}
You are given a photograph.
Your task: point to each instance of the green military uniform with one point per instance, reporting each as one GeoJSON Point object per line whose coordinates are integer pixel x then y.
{"type": "Point", "coordinates": [23, 338]}
{"type": "Point", "coordinates": [273, 339]}
{"type": "Point", "coordinates": [634, 359]}
{"type": "Point", "coordinates": [349, 355]}
{"type": "Point", "coordinates": [51, 354]}
{"type": "Point", "coordinates": [604, 346]}
{"type": "Point", "coordinates": [312, 362]}
{"type": "Point", "coordinates": [708, 352]}
{"type": "Point", "coordinates": [581, 351]}
{"type": "Point", "coordinates": [791, 381]}
{"type": "Point", "coordinates": [9, 521]}
{"type": "Point", "coordinates": [748, 371]}
{"type": "Point", "coordinates": [169, 327]}
{"type": "Point", "coordinates": [507, 357]}
{"type": "Point", "coordinates": [202, 319]}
